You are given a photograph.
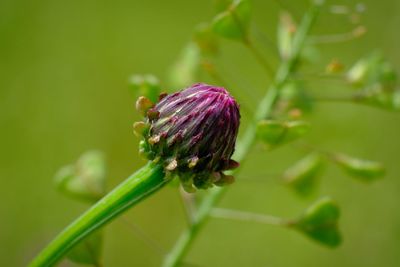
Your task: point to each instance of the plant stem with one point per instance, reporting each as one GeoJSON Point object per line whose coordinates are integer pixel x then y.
{"type": "Point", "coordinates": [134, 189]}
{"type": "Point", "coordinates": [264, 110]}
{"type": "Point", "coordinates": [248, 216]}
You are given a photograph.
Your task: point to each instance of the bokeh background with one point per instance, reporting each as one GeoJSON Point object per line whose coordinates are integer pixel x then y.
{"type": "Point", "coordinates": [64, 67]}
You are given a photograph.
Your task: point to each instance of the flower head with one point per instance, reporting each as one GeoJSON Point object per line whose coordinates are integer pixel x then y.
{"type": "Point", "coordinates": [193, 133]}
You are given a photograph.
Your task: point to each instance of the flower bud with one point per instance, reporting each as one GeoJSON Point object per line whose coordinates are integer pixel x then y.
{"type": "Point", "coordinates": [193, 134]}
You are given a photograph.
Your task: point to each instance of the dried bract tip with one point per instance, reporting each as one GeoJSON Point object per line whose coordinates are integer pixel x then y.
{"type": "Point", "coordinates": [197, 128]}
{"type": "Point", "coordinates": [172, 165]}
{"type": "Point", "coordinates": [139, 128]}
{"type": "Point", "coordinates": [143, 104]}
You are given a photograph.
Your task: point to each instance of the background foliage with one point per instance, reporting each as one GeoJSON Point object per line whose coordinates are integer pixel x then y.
{"type": "Point", "coordinates": [63, 89]}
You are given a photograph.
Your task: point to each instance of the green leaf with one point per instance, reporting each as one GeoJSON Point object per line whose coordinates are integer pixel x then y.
{"type": "Point", "coordinates": [145, 85]}
{"type": "Point", "coordinates": [286, 31]}
{"type": "Point", "coordinates": [275, 133]}
{"type": "Point", "coordinates": [363, 170]}
{"type": "Point", "coordinates": [88, 251]}
{"type": "Point", "coordinates": [205, 39]}
{"type": "Point", "coordinates": [85, 179]}
{"type": "Point", "coordinates": [183, 73]}
{"type": "Point", "coordinates": [320, 222]}
{"type": "Point", "coordinates": [303, 176]}
{"type": "Point", "coordinates": [234, 22]}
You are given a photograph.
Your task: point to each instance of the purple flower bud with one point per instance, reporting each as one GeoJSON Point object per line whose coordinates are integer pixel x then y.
{"type": "Point", "coordinates": [193, 133]}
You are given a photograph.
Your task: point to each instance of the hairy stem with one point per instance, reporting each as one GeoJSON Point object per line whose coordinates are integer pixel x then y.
{"type": "Point", "coordinates": [137, 187]}
{"type": "Point", "coordinates": [264, 110]}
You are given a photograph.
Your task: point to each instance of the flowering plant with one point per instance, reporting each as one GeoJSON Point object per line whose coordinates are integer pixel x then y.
{"type": "Point", "coordinates": [191, 134]}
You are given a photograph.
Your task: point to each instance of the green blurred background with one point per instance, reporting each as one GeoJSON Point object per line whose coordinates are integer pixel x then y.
{"type": "Point", "coordinates": [64, 67]}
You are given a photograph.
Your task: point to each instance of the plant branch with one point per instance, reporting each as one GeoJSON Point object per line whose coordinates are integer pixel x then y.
{"type": "Point", "coordinates": [188, 203]}
{"type": "Point", "coordinates": [265, 107]}
{"type": "Point", "coordinates": [134, 189]}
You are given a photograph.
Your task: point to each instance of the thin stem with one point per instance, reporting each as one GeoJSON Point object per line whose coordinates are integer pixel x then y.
{"type": "Point", "coordinates": [248, 216]}
{"type": "Point", "coordinates": [265, 108]}
{"type": "Point", "coordinates": [134, 189]}
{"type": "Point", "coordinates": [210, 69]}
{"type": "Point", "coordinates": [340, 37]}
{"type": "Point", "coordinates": [264, 40]}
{"type": "Point", "coordinates": [248, 43]}
{"type": "Point", "coordinates": [188, 203]}
{"type": "Point", "coordinates": [138, 231]}
{"type": "Point", "coordinates": [260, 58]}
{"type": "Point", "coordinates": [337, 99]}
{"type": "Point", "coordinates": [322, 76]}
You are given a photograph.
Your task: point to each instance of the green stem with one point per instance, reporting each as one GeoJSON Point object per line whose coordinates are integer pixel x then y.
{"type": "Point", "coordinates": [137, 187]}
{"type": "Point", "coordinates": [248, 216]}
{"type": "Point", "coordinates": [264, 110]}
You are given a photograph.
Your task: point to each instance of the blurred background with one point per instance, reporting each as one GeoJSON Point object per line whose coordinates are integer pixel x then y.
{"type": "Point", "coordinates": [64, 69]}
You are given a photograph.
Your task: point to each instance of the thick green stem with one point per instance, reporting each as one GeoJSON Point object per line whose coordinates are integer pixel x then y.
{"type": "Point", "coordinates": [264, 110]}
{"type": "Point", "coordinates": [137, 187]}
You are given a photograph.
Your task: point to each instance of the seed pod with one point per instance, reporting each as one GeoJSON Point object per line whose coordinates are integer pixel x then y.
{"type": "Point", "coordinates": [193, 134]}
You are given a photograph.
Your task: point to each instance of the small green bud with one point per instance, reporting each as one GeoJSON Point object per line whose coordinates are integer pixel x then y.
{"type": "Point", "coordinates": [286, 32]}
{"type": "Point", "coordinates": [358, 73]}
{"type": "Point", "coordinates": [334, 67]}
{"type": "Point", "coordinates": [320, 222]}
